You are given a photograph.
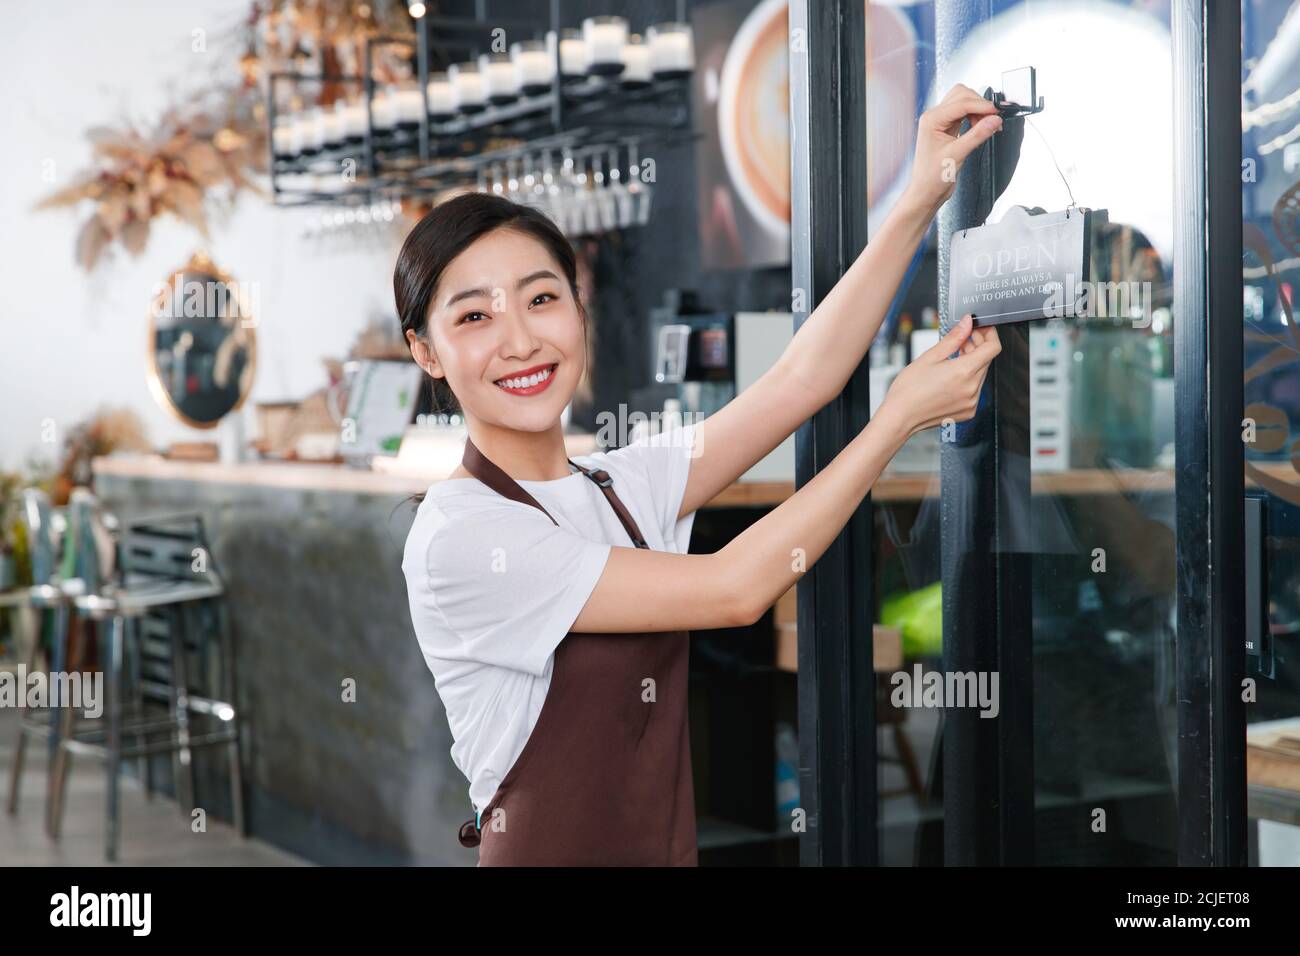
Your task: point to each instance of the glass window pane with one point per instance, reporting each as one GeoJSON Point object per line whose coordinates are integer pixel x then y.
{"type": "Point", "coordinates": [1089, 422]}
{"type": "Point", "coordinates": [1270, 123]}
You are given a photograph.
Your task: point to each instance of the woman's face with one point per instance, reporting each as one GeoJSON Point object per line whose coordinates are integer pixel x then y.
{"type": "Point", "coordinates": [506, 333]}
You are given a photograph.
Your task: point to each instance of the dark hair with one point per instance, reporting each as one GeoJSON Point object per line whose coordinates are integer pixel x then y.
{"type": "Point", "coordinates": [449, 229]}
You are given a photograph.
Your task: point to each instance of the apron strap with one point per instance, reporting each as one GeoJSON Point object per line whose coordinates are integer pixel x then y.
{"type": "Point", "coordinates": [487, 471]}
{"type": "Point", "coordinates": [605, 483]}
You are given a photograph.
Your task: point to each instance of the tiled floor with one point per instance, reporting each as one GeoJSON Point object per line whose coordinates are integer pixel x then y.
{"type": "Point", "coordinates": [154, 831]}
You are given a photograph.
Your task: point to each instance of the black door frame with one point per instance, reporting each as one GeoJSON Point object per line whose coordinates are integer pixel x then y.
{"type": "Point", "coordinates": [988, 765]}
{"type": "Point", "coordinates": [836, 682]}
{"type": "Point", "coordinates": [1210, 477]}
{"type": "Point", "coordinates": [836, 600]}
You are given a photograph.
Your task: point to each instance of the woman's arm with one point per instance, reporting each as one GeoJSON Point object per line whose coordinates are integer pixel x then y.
{"type": "Point", "coordinates": [831, 342]}
{"type": "Point", "coordinates": [660, 591]}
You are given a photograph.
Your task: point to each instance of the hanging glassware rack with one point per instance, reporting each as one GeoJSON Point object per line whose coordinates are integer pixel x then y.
{"type": "Point", "coordinates": [567, 118]}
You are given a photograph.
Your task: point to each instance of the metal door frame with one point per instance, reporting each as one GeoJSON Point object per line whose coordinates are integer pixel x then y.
{"type": "Point", "coordinates": [1210, 477]}
{"type": "Point", "coordinates": [837, 722]}
{"type": "Point", "coordinates": [836, 600]}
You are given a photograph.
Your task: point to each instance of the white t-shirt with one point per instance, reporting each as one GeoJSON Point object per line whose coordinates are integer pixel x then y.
{"type": "Point", "coordinates": [494, 586]}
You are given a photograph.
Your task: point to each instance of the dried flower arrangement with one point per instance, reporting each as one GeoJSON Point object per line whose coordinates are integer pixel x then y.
{"type": "Point", "coordinates": [202, 154]}
{"type": "Point", "coordinates": [106, 431]}
{"type": "Point", "coordinates": [175, 168]}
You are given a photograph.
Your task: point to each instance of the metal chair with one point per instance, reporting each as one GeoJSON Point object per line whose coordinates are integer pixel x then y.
{"type": "Point", "coordinates": [163, 609]}
{"type": "Point", "coordinates": [46, 600]}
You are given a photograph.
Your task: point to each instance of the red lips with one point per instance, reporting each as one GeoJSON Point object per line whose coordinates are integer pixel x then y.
{"type": "Point", "coordinates": [531, 389]}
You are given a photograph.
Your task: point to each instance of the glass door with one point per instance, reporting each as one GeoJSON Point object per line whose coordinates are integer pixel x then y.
{"type": "Point", "coordinates": [1051, 662]}
{"type": "Point", "coordinates": [1271, 377]}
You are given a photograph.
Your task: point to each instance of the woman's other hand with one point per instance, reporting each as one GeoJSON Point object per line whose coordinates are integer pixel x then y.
{"type": "Point", "coordinates": [935, 388]}
{"type": "Point", "coordinates": [940, 151]}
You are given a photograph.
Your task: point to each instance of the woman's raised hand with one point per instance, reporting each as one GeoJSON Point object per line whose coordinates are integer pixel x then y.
{"type": "Point", "coordinates": [935, 388]}
{"type": "Point", "coordinates": [940, 151]}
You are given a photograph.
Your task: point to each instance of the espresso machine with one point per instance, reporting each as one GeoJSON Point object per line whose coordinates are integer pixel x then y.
{"type": "Point", "coordinates": [703, 359]}
{"type": "Point", "coordinates": [694, 354]}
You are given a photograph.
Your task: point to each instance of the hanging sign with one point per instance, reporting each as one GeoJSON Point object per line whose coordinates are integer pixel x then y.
{"type": "Point", "coordinates": [1031, 265]}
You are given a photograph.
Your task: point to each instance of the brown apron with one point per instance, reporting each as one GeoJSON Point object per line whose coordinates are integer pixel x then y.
{"type": "Point", "coordinates": [604, 778]}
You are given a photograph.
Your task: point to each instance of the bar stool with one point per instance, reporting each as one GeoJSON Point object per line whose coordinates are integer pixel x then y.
{"type": "Point", "coordinates": [163, 607]}
{"type": "Point", "coordinates": [46, 600]}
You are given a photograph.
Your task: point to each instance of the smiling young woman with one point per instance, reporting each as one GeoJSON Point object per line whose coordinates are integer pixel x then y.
{"type": "Point", "coordinates": [552, 596]}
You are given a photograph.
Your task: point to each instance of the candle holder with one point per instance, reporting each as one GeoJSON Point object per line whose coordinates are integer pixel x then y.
{"type": "Point", "coordinates": [354, 121]}
{"type": "Point", "coordinates": [408, 106]}
{"type": "Point", "coordinates": [442, 98]}
{"type": "Point", "coordinates": [534, 63]}
{"type": "Point", "coordinates": [311, 132]}
{"type": "Point", "coordinates": [500, 78]}
{"type": "Point", "coordinates": [334, 126]}
{"type": "Point", "coordinates": [636, 63]}
{"type": "Point", "coordinates": [587, 93]}
{"type": "Point", "coordinates": [284, 141]}
{"type": "Point", "coordinates": [605, 37]}
{"type": "Point", "coordinates": [383, 119]}
{"type": "Point", "coordinates": [672, 50]}
{"type": "Point", "coordinates": [573, 55]}
{"type": "Point", "coordinates": [467, 81]}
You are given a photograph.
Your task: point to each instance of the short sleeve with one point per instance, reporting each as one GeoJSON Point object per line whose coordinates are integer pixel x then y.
{"type": "Point", "coordinates": [665, 460]}
{"type": "Point", "coordinates": [497, 583]}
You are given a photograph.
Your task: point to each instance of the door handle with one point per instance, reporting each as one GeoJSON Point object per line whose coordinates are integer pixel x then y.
{"type": "Point", "coordinates": [1259, 641]}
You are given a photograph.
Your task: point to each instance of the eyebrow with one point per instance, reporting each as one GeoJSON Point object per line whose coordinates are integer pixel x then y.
{"type": "Point", "coordinates": [471, 293]}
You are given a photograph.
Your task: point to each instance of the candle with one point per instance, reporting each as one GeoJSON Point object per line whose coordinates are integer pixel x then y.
{"type": "Point", "coordinates": [672, 49]}
{"type": "Point", "coordinates": [605, 38]}
{"type": "Point", "coordinates": [334, 125]}
{"type": "Point", "coordinates": [354, 121]}
{"type": "Point", "coordinates": [330, 182]}
{"type": "Point", "coordinates": [534, 66]}
{"type": "Point", "coordinates": [382, 113]}
{"type": "Point", "coordinates": [284, 137]}
{"type": "Point", "coordinates": [500, 79]}
{"type": "Point", "coordinates": [573, 54]}
{"type": "Point", "coordinates": [408, 105]}
{"type": "Point", "coordinates": [636, 62]}
{"type": "Point", "coordinates": [468, 84]}
{"type": "Point", "coordinates": [310, 132]}
{"type": "Point", "coordinates": [442, 97]}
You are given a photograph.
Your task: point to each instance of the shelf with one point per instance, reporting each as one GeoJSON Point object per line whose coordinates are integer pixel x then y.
{"type": "Point", "coordinates": [587, 116]}
{"type": "Point", "coordinates": [921, 485]}
{"type": "Point", "coordinates": [592, 101]}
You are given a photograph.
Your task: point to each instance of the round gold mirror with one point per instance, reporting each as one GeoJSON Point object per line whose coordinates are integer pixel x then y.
{"type": "Point", "coordinates": [202, 350]}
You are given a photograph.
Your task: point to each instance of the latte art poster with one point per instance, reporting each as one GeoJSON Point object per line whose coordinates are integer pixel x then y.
{"type": "Point", "coordinates": [742, 101]}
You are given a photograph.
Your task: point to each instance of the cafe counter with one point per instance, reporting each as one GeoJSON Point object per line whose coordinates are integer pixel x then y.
{"type": "Point", "coordinates": [311, 558]}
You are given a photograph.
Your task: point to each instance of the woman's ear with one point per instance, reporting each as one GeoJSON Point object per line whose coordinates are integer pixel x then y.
{"type": "Point", "coordinates": [423, 355]}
